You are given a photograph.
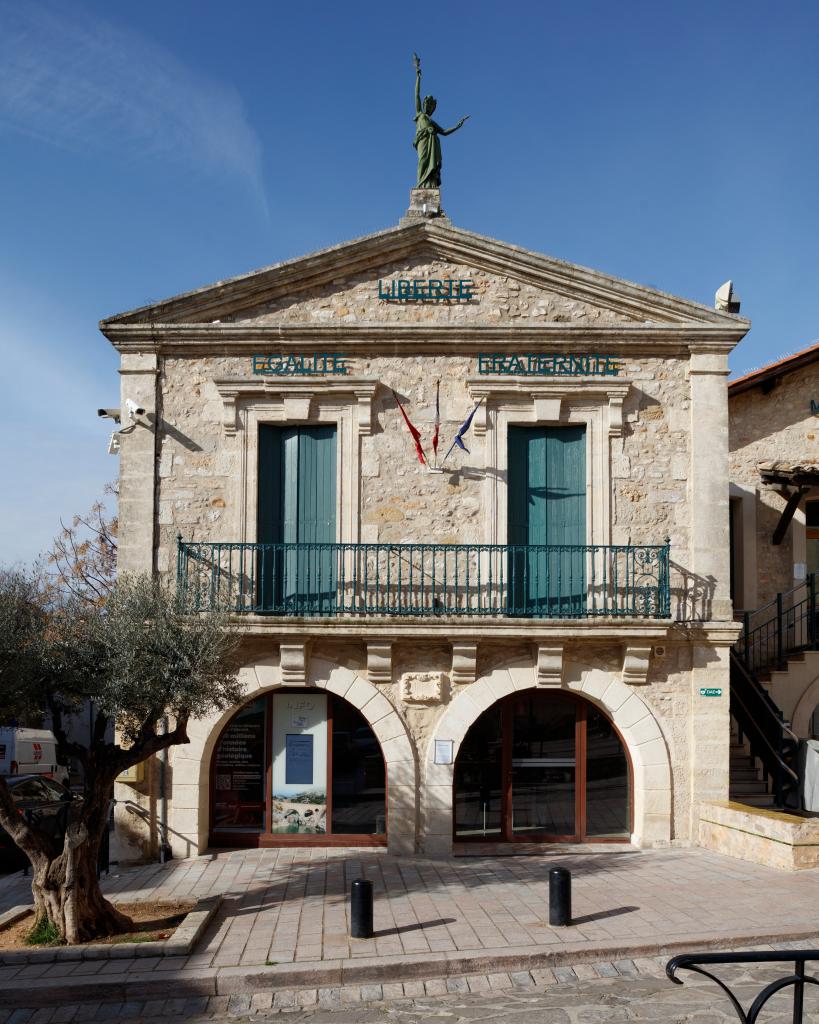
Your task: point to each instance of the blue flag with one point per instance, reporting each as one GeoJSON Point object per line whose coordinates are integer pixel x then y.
{"type": "Point", "coordinates": [467, 423]}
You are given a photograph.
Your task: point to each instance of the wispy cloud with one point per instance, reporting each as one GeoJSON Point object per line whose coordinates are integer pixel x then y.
{"type": "Point", "coordinates": [86, 84]}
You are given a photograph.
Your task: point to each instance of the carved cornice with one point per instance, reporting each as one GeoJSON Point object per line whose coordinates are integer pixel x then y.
{"type": "Point", "coordinates": [547, 394]}
{"type": "Point", "coordinates": [294, 395]}
{"type": "Point", "coordinates": [194, 339]}
{"type": "Point", "coordinates": [425, 239]}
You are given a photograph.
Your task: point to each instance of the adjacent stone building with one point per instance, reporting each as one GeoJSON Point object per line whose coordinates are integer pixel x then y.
{"type": "Point", "coordinates": [773, 434]}
{"type": "Point", "coordinates": [774, 467]}
{"type": "Point", "coordinates": [509, 642]}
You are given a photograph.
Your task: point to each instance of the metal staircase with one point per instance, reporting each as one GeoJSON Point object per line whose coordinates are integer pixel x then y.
{"type": "Point", "coordinates": [763, 746]}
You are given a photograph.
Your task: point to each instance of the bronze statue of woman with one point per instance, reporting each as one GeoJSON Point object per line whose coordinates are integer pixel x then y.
{"type": "Point", "coordinates": [427, 131]}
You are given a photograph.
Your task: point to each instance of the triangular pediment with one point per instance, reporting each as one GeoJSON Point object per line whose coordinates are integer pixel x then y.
{"type": "Point", "coordinates": [509, 285]}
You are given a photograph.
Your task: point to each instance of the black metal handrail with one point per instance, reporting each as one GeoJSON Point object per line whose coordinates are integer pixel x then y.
{"type": "Point", "coordinates": [799, 957]}
{"type": "Point", "coordinates": [761, 721]}
{"type": "Point", "coordinates": [784, 626]}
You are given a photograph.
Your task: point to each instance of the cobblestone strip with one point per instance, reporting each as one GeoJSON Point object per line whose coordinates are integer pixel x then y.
{"type": "Point", "coordinates": [621, 982]}
{"type": "Point", "coordinates": [332, 998]}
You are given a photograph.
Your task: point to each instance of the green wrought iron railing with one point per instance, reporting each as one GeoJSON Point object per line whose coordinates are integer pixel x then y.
{"type": "Point", "coordinates": [537, 581]}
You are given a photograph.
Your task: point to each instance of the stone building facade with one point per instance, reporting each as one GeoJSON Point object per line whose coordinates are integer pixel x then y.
{"type": "Point", "coordinates": [511, 649]}
{"type": "Point", "coordinates": [773, 422]}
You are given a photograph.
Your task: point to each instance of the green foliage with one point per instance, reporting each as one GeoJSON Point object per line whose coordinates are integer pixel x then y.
{"type": "Point", "coordinates": [159, 654]}
{"type": "Point", "coordinates": [140, 656]}
{"type": "Point", "coordinates": [23, 618]}
{"type": "Point", "coordinates": [44, 933]}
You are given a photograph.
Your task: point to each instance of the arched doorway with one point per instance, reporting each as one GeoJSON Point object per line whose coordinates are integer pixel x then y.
{"type": "Point", "coordinates": [542, 766]}
{"type": "Point", "coordinates": [297, 767]}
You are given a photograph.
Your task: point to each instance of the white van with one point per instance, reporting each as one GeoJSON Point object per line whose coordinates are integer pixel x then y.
{"type": "Point", "coordinates": [28, 752]}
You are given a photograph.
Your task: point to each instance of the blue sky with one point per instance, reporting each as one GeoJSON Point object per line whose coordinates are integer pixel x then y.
{"type": "Point", "coordinates": [151, 148]}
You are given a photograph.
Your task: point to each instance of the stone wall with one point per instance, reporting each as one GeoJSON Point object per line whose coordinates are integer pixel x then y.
{"type": "Point", "coordinates": [764, 428]}
{"type": "Point", "coordinates": [200, 473]}
{"type": "Point", "coordinates": [499, 298]}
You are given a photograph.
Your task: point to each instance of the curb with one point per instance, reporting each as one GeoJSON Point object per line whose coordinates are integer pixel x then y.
{"type": "Point", "coordinates": [181, 943]}
{"type": "Point", "coordinates": [189, 982]}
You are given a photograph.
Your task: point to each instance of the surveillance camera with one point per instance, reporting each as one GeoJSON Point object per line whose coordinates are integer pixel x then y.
{"type": "Point", "coordinates": [109, 414]}
{"type": "Point", "coordinates": [133, 408]}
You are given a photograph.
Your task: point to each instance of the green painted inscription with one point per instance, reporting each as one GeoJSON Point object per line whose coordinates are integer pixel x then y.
{"type": "Point", "coordinates": [536, 365]}
{"type": "Point", "coordinates": [420, 290]}
{"type": "Point", "coordinates": [292, 365]}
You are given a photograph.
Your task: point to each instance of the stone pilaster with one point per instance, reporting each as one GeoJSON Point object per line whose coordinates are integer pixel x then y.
{"type": "Point", "coordinates": [708, 482]}
{"type": "Point", "coordinates": [709, 734]}
{"type": "Point", "coordinates": [137, 465]}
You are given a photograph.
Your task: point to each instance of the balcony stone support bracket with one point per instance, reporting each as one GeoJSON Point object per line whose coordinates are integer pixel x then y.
{"type": "Point", "coordinates": [550, 665]}
{"type": "Point", "coordinates": [292, 398]}
{"type": "Point", "coordinates": [464, 663]}
{"type": "Point", "coordinates": [379, 662]}
{"type": "Point", "coordinates": [636, 659]}
{"type": "Point", "coordinates": [293, 659]}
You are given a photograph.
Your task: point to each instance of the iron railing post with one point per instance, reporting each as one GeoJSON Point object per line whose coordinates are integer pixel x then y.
{"type": "Point", "coordinates": [812, 610]}
{"type": "Point", "coordinates": [798, 991]}
{"type": "Point", "coordinates": [746, 639]}
{"type": "Point", "coordinates": [780, 647]}
{"type": "Point", "coordinates": [181, 581]}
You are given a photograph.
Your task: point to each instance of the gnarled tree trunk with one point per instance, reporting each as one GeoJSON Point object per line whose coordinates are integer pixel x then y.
{"type": "Point", "coordinates": [65, 886]}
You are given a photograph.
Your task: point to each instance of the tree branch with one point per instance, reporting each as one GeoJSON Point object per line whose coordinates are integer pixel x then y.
{"type": "Point", "coordinates": [30, 839]}
{"type": "Point", "coordinates": [144, 748]}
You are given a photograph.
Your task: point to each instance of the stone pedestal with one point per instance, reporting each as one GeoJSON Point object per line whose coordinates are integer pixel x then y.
{"type": "Point", "coordinates": [425, 204]}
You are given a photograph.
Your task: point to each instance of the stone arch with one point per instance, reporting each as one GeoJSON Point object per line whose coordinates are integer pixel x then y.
{"type": "Point", "coordinates": [631, 715]}
{"type": "Point", "coordinates": [190, 810]}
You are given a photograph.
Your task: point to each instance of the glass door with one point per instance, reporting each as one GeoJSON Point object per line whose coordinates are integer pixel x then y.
{"type": "Point", "coordinates": [543, 767]}
{"type": "Point", "coordinates": [297, 767]}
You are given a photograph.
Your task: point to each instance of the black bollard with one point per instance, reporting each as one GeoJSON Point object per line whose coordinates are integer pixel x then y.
{"type": "Point", "coordinates": [560, 896]}
{"type": "Point", "coordinates": [361, 909]}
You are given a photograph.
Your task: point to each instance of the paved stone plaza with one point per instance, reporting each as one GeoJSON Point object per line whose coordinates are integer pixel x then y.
{"type": "Point", "coordinates": [284, 919]}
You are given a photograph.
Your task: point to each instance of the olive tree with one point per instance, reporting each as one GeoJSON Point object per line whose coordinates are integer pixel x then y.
{"type": "Point", "coordinates": [143, 659]}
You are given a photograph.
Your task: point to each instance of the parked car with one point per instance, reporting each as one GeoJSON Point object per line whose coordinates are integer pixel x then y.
{"type": "Point", "coordinates": [29, 752]}
{"type": "Point", "coordinates": [46, 803]}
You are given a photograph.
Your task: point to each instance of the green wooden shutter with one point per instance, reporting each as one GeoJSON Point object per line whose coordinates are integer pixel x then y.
{"type": "Point", "coordinates": [566, 519]}
{"type": "Point", "coordinates": [269, 519]}
{"type": "Point", "coordinates": [297, 506]}
{"type": "Point", "coordinates": [547, 508]}
{"type": "Point", "coordinates": [317, 518]}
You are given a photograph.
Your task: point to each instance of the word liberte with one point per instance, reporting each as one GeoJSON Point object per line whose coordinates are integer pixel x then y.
{"type": "Point", "coordinates": [456, 289]}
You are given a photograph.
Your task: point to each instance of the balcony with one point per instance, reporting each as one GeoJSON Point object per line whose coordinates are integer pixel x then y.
{"type": "Point", "coordinates": [438, 580]}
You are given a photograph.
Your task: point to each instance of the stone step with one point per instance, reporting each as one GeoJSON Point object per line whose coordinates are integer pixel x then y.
{"type": "Point", "coordinates": [747, 786]}
{"type": "Point", "coordinates": [753, 799]}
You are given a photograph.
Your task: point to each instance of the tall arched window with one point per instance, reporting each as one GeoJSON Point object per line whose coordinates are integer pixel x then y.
{"type": "Point", "coordinates": [297, 767]}
{"type": "Point", "coordinates": [542, 766]}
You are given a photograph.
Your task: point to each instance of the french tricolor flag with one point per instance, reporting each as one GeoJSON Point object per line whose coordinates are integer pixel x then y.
{"type": "Point", "coordinates": [416, 435]}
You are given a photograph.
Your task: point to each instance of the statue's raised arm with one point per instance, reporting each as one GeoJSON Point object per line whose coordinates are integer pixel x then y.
{"type": "Point", "coordinates": [427, 132]}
